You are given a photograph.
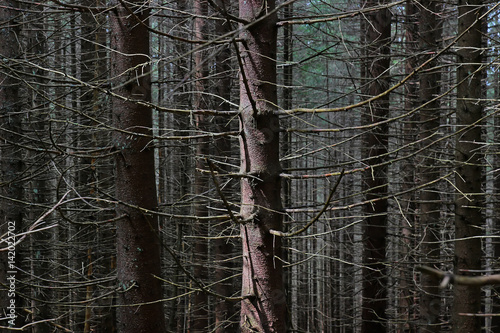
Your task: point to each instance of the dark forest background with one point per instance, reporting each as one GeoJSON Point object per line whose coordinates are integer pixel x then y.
{"type": "Point", "coordinates": [261, 166]}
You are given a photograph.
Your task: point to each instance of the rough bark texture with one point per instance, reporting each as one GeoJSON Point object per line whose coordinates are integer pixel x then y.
{"type": "Point", "coordinates": [138, 253]}
{"type": "Point", "coordinates": [468, 202]}
{"type": "Point", "coordinates": [375, 178]}
{"type": "Point", "coordinates": [264, 309]}
{"type": "Point", "coordinates": [199, 319]}
{"type": "Point", "coordinates": [430, 204]}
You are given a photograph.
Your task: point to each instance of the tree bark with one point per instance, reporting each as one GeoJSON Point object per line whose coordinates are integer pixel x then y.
{"type": "Point", "coordinates": [375, 142]}
{"type": "Point", "coordinates": [406, 311]}
{"type": "Point", "coordinates": [468, 200]}
{"type": "Point", "coordinates": [137, 244]}
{"type": "Point", "coordinates": [199, 319]}
{"type": "Point", "coordinates": [430, 203]}
{"type": "Point", "coordinates": [264, 306]}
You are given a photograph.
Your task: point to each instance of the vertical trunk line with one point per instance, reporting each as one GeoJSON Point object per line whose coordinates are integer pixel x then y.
{"type": "Point", "coordinates": [469, 172]}
{"type": "Point", "coordinates": [375, 181]}
{"type": "Point", "coordinates": [137, 241]}
{"type": "Point", "coordinates": [264, 310]}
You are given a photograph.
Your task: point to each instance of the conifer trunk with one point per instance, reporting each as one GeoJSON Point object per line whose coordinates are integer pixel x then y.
{"type": "Point", "coordinates": [468, 200]}
{"type": "Point", "coordinates": [137, 245]}
{"type": "Point", "coordinates": [263, 309]}
{"type": "Point", "coordinates": [375, 178]}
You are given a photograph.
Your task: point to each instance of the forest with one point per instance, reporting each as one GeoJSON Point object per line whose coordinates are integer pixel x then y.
{"type": "Point", "coordinates": [248, 166]}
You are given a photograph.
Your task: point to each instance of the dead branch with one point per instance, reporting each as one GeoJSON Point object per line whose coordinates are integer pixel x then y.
{"type": "Point", "coordinates": [450, 278]}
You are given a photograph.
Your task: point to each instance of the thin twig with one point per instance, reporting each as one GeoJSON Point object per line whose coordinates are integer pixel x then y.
{"type": "Point", "coordinates": [325, 207]}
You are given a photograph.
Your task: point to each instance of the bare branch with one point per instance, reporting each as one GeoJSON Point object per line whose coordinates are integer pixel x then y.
{"type": "Point", "coordinates": [450, 278]}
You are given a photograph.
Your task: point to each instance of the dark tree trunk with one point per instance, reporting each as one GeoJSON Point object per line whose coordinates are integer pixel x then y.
{"type": "Point", "coordinates": [199, 316]}
{"type": "Point", "coordinates": [375, 178]}
{"type": "Point", "coordinates": [430, 203]}
{"type": "Point", "coordinates": [264, 308]}
{"type": "Point", "coordinates": [407, 307]}
{"type": "Point", "coordinates": [137, 245]}
{"type": "Point", "coordinates": [469, 178]}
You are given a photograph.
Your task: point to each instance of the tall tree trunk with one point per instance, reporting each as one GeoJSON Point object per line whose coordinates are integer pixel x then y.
{"type": "Point", "coordinates": [495, 306]}
{"type": "Point", "coordinates": [469, 200]}
{"type": "Point", "coordinates": [430, 203]}
{"type": "Point", "coordinates": [178, 174]}
{"type": "Point", "coordinates": [286, 145]}
{"type": "Point", "coordinates": [406, 304]}
{"type": "Point", "coordinates": [264, 306]}
{"type": "Point", "coordinates": [199, 319]}
{"type": "Point", "coordinates": [137, 244]}
{"type": "Point", "coordinates": [375, 178]}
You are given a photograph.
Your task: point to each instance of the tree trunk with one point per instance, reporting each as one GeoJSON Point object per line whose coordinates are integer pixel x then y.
{"type": "Point", "coordinates": [286, 146]}
{"type": "Point", "coordinates": [137, 244]}
{"type": "Point", "coordinates": [430, 203]}
{"type": "Point", "coordinates": [264, 306]}
{"type": "Point", "coordinates": [375, 178]}
{"type": "Point", "coordinates": [199, 319]}
{"type": "Point", "coordinates": [469, 200]}
{"type": "Point", "coordinates": [406, 308]}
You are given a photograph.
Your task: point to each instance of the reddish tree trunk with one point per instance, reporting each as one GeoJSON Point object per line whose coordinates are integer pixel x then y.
{"type": "Point", "coordinates": [264, 308]}
{"type": "Point", "coordinates": [468, 202]}
{"type": "Point", "coordinates": [137, 245]}
{"type": "Point", "coordinates": [430, 203]}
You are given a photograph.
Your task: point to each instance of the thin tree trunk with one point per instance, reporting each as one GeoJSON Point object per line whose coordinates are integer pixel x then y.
{"type": "Point", "coordinates": [469, 177]}
{"type": "Point", "coordinates": [264, 306]}
{"type": "Point", "coordinates": [286, 147]}
{"type": "Point", "coordinates": [137, 245]}
{"type": "Point", "coordinates": [375, 179]}
{"type": "Point", "coordinates": [406, 303]}
{"type": "Point", "coordinates": [495, 306]}
{"type": "Point", "coordinates": [178, 174]}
